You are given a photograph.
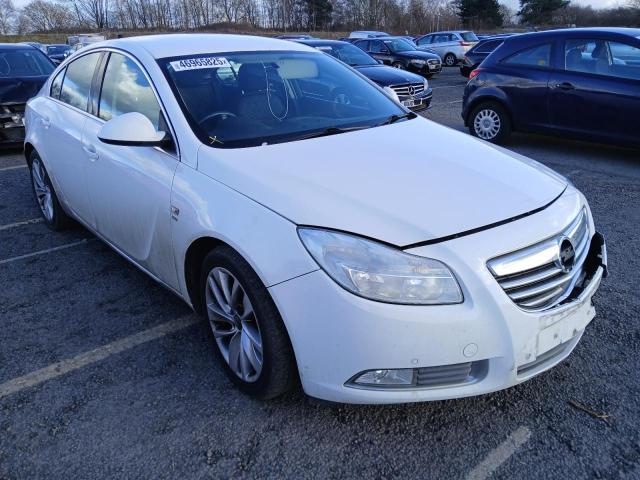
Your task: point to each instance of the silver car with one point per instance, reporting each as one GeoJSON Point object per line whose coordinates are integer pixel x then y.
{"type": "Point", "coordinates": [451, 46]}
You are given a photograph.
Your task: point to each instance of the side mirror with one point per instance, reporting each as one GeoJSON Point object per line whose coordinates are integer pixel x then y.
{"type": "Point", "coordinates": [131, 129]}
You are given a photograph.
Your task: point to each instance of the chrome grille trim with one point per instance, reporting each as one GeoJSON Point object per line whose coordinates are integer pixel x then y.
{"type": "Point", "coordinates": [403, 89]}
{"type": "Point", "coordinates": [534, 277]}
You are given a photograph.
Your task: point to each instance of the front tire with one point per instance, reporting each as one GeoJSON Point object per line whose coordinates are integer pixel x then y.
{"type": "Point", "coordinates": [490, 121]}
{"type": "Point", "coordinates": [48, 203]}
{"type": "Point", "coordinates": [251, 340]}
{"type": "Point", "coordinates": [450, 60]}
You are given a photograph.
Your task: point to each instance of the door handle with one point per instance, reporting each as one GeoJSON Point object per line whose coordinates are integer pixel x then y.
{"type": "Point", "coordinates": [90, 150]}
{"type": "Point", "coordinates": [45, 122]}
{"type": "Point", "coordinates": [565, 86]}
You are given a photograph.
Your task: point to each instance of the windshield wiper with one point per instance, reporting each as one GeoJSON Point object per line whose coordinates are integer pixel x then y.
{"type": "Point", "coordinates": [331, 131]}
{"type": "Point", "coordinates": [395, 117]}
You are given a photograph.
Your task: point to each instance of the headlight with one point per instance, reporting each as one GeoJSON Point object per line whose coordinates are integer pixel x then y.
{"type": "Point", "coordinates": [381, 273]}
{"type": "Point", "coordinates": [426, 84]}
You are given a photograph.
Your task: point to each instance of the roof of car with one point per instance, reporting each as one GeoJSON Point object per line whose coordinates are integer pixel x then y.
{"type": "Point", "coordinates": [631, 32]}
{"type": "Point", "coordinates": [179, 44]}
{"type": "Point", "coordinates": [15, 46]}
{"type": "Point", "coordinates": [318, 42]}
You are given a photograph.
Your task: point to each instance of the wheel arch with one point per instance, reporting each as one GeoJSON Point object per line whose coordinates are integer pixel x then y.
{"type": "Point", "coordinates": [486, 99]}
{"type": "Point", "coordinates": [28, 150]}
{"type": "Point", "coordinates": [194, 256]}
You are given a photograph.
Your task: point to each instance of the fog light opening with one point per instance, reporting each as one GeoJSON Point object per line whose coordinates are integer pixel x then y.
{"type": "Point", "coordinates": [386, 378]}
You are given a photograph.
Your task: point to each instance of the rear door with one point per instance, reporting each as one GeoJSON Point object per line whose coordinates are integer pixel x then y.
{"type": "Point", "coordinates": [62, 118]}
{"type": "Point", "coordinates": [596, 90]}
{"type": "Point", "coordinates": [130, 187]}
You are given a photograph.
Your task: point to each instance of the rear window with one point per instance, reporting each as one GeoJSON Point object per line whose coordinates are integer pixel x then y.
{"type": "Point", "coordinates": [538, 56]}
{"type": "Point", "coordinates": [469, 37]}
{"type": "Point", "coordinates": [487, 47]}
{"type": "Point", "coordinates": [24, 63]}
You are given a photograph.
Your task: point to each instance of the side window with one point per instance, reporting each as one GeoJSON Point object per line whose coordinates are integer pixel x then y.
{"type": "Point", "coordinates": [77, 81]}
{"type": "Point", "coordinates": [425, 40]}
{"type": "Point", "coordinates": [56, 85]}
{"type": "Point", "coordinates": [364, 45]}
{"type": "Point", "coordinates": [538, 56]}
{"type": "Point", "coordinates": [377, 47]}
{"type": "Point", "coordinates": [602, 57]}
{"type": "Point", "coordinates": [125, 89]}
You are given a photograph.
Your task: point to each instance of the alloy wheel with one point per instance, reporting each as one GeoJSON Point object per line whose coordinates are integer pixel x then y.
{"type": "Point", "coordinates": [42, 189]}
{"type": "Point", "coordinates": [450, 60]}
{"type": "Point", "coordinates": [487, 124]}
{"type": "Point", "coordinates": [234, 324]}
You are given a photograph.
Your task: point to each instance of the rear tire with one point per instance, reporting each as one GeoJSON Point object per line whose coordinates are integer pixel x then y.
{"type": "Point", "coordinates": [491, 122]}
{"type": "Point", "coordinates": [450, 60]}
{"type": "Point", "coordinates": [49, 205]}
{"type": "Point", "coordinates": [251, 340]}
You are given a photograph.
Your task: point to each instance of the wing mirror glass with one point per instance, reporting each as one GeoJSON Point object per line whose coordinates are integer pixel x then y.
{"type": "Point", "coordinates": [133, 130]}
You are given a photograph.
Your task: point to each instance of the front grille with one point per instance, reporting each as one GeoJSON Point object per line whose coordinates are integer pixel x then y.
{"type": "Point", "coordinates": [541, 276]}
{"type": "Point", "coordinates": [434, 62]}
{"type": "Point", "coordinates": [448, 375]}
{"type": "Point", "coordinates": [407, 89]}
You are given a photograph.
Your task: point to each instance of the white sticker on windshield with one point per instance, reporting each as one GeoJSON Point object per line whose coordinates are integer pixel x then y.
{"type": "Point", "coordinates": [196, 63]}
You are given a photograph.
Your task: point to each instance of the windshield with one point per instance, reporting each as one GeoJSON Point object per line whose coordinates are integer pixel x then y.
{"type": "Point", "coordinates": [57, 49]}
{"type": "Point", "coordinates": [24, 63]}
{"type": "Point", "coordinates": [349, 54]}
{"type": "Point", "coordinates": [399, 45]}
{"type": "Point", "coordinates": [469, 37]}
{"type": "Point", "coordinates": [247, 99]}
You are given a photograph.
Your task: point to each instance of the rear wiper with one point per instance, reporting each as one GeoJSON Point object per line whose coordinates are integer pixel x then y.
{"type": "Point", "coordinates": [395, 117]}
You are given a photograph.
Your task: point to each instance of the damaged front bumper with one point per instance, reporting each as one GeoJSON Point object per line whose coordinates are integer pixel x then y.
{"type": "Point", "coordinates": [12, 123]}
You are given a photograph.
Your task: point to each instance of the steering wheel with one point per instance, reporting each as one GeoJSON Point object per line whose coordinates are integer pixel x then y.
{"type": "Point", "coordinates": [217, 114]}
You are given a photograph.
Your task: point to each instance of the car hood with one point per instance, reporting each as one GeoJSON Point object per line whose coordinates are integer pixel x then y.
{"type": "Point", "coordinates": [403, 183]}
{"type": "Point", "coordinates": [421, 55]}
{"type": "Point", "coordinates": [20, 89]}
{"type": "Point", "coordinates": [386, 76]}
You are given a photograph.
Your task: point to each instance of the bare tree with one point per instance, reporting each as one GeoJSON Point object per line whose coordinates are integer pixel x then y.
{"type": "Point", "coordinates": [7, 16]}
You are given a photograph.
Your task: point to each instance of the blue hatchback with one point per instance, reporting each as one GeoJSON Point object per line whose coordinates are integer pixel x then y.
{"type": "Point", "coordinates": [582, 83]}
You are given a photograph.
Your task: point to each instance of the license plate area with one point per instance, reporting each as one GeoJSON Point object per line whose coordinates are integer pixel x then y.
{"type": "Point", "coordinates": [411, 103]}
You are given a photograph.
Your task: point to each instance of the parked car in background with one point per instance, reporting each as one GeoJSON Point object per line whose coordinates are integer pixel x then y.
{"type": "Point", "coordinates": [294, 36]}
{"type": "Point", "coordinates": [84, 38]}
{"type": "Point", "coordinates": [399, 53]}
{"type": "Point", "coordinates": [36, 45]}
{"type": "Point", "coordinates": [582, 83]}
{"type": "Point", "coordinates": [326, 243]}
{"type": "Point", "coordinates": [481, 50]}
{"type": "Point", "coordinates": [23, 71]}
{"type": "Point", "coordinates": [451, 46]}
{"type": "Point", "coordinates": [367, 34]}
{"type": "Point", "coordinates": [57, 53]}
{"type": "Point", "coordinates": [412, 90]}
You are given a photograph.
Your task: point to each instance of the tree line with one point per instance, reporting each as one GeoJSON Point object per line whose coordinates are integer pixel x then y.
{"type": "Point", "coordinates": [395, 16]}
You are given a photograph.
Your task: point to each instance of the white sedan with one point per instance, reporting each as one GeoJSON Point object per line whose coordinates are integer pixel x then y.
{"type": "Point", "coordinates": [313, 220]}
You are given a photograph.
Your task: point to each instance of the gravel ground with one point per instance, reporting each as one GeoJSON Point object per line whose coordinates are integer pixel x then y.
{"type": "Point", "coordinates": [162, 409]}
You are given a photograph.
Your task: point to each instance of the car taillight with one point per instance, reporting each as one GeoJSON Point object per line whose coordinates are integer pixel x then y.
{"type": "Point", "coordinates": [474, 73]}
{"type": "Point", "coordinates": [464, 44]}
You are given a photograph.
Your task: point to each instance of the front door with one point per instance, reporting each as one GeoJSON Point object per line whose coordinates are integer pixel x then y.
{"type": "Point", "coordinates": [130, 187]}
{"type": "Point", "coordinates": [596, 92]}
